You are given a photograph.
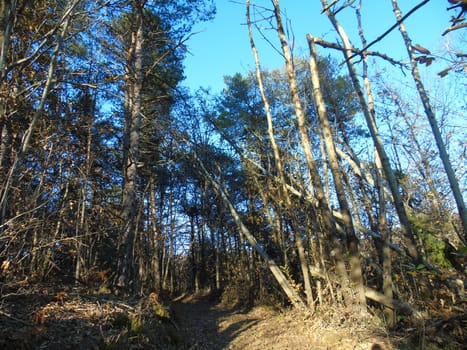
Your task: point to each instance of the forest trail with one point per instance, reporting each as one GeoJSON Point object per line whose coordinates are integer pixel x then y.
{"type": "Point", "coordinates": [49, 316]}
{"type": "Point", "coordinates": [41, 316]}
{"type": "Point", "coordinates": [204, 324]}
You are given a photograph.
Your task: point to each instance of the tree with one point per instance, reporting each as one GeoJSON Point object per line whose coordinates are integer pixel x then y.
{"type": "Point", "coordinates": [432, 120]}
{"type": "Point", "coordinates": [142, 26]}
{"type": "Point", "coordinates": [61, 27]}
{"type": "Point", "coordinates": [369, 113]}
{"type": "Point", "coordinates": [278, 162]}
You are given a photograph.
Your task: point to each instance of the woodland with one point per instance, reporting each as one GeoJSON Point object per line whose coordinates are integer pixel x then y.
{"type": "Point", "coordinates": [137, 214]}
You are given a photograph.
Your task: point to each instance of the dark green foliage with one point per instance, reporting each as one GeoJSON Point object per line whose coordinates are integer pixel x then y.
{"type": "Point", "coordinates": [432, 238]}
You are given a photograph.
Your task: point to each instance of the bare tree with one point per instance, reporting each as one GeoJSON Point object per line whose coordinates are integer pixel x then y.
{"type": "Point", "coordinates": [278, 160]}
{"type": "Point", "coordinates": [62, 28]}
{"type": "Point", "coordinates": [369, 114]}
{"type": "Point", "coordinates": [352, 240]}
{"type": "Point", "coordinates": [411, 51]}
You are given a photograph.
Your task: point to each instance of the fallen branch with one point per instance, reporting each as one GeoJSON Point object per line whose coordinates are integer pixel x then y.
{"type": "Point", "coordinates": [398, 305]}
{"type": "Point", "coordinates": [374, 295]}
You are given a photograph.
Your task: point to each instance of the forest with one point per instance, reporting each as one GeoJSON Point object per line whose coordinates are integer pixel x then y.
{"type": "Point", "coordinates": [326, 194]}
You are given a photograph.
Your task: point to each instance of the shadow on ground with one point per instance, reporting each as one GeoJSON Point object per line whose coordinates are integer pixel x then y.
{"type": "Point", "coordinates": [205, 324]}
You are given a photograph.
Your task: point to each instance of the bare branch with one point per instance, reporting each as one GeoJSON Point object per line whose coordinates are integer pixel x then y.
{"type": "Point", "coordinates": [330, 45]}
{"type": "Point", "coordinates": [394, 26]}
{"type": "Point", "coordinates": [329, 6]}
{"type": "Point", "coordinates": [455, 27]}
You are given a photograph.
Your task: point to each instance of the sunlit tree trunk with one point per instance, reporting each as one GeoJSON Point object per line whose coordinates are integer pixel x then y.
{"type": "Point", "coordinates": [329, 228]}
{"type": "Point", "coordinates": [369, 114]}
{"type": "Point", "coordinates": [132, 137]}
{"type": "Point", "coordinates": [278, 162]}
{"type": "Point", "coordinates": [352, 240]}
{"type": "Point", "coordinates": [386, 250]}
{"type": "Point", "coordinates": [454, 184]}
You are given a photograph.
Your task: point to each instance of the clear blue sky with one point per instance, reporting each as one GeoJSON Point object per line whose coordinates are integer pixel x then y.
{"type": "Point", "coordinates": [222, 46]}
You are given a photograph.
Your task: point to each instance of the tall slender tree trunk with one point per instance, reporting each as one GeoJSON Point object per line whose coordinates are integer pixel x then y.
{"type": "Point", "coordinates": [352, 240]}
{"type": "Point", "coordinates": [369, 114]}
{"type": "Point", "coordinates": [386, 251]}
{"type": "Point", "coordinates": [382, 222]}
{"type": "Point", "coordinates": [7, 14]}
{"type": "Point", "coordinates": [278, 163]}
{"type": "Point", "coordinates": [132, 137]}
{"type": "Point", "coordinates": [329, 227]}
{"type": "Point", "coordinates": [194, 250]}
{"type": "Point", "coordinates": [454, 184]}
{"type": "Point", "coordinates": [156, 237]}
{"type": "Point", "coordinates": [83, 247]}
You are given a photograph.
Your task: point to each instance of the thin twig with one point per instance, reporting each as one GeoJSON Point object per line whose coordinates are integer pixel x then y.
{"type": "Point", "coordinates": [424, 2]}
{"type": "Point", "coordinates": [347, 4]}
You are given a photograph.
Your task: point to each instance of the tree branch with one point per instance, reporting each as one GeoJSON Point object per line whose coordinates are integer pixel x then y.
{"type": "Point", "coordinates": [424, 2]}
{"type": "Point", "coordinates": [330, 45]}
{"type": "Point", "coordinates": [455, 27]}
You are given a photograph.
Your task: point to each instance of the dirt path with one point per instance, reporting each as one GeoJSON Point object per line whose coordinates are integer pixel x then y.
{"type": "Point", "coordinates": [42, 316]}
{"type": "Point", "coordinates": [47, 317]}
{"type": "Point", "coordinates": [205, 325]}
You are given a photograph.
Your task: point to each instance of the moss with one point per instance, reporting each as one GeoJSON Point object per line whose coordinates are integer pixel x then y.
{"type": "Point", "coordinates": [136, 326]}
{"type": "Point", "coordinates": [161, 311]}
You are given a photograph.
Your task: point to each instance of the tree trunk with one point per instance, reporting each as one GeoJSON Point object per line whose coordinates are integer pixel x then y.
{"type": "Point", "coordinates": [352, 240]}
{"type": "Point", "coordinates": [155, 238]}
{"type": "Point", "coordinates": [82, 225]}
{"type": "Point", "coordinates": [132, 137]}
{"type": "Point", "coordinates": [291, 293]}
{"type": "Point", "coordinates": [278, 162]}
{"type": "Point", "coordinates": [385, 252]}
{"type": "Point", "coordinates": [7, 13]}
{"type": "Point", "coordinates": [454, 184]}
{"type": "Point", "coordinates": [329, 228]}
{"type": "Point", "coordinates": [7, 10]}
{"type": "Point", "coordinates": [369, 114]}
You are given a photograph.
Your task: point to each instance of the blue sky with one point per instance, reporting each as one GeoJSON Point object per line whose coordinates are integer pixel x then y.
{"type": "Point", "coordinates": [222, 46]}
